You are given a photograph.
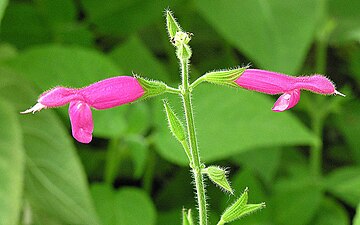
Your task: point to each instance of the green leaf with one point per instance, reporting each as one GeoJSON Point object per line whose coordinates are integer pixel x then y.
{"type": "Point", "coordinates": [229, 122]}
{"type": "Point", "coordinates": [346, 14]}
{"type": "Point", "coordinates": [3, 5]}
{"type": "Point", "coordinates": [348, 121]}
{"type": "Point", "coordinates": [53, 65]}
{"type": "Point", "coordinates": [295, 201]}
{"type": "Point", "coordinates": [331, 213]}
{"type": "Point", "coordinates": [57, 11]}
{"type": "Point", "coordinates": [55, 183]}
{"type": "Point", "coordinates": [259, 30]}
{"type": "Point", "coordinates": [138, 118]}
{"type": "Point", "coordinates": [61, 19]}
{"type": "Point", "coordinates": [23, 26]}
{"type": "Point", "coordinates": [133, 56]}
{"type": "Point", "coordinates": [127, 206]}
{"type": "Point", "coordinates": [355, 65]}
{"type": "Point", "coordinates": [357, 216]}
{"type": "Point", "coordinates": [11, 165]}
{"type": "Point", "coordinates": [139, 151]}
{"type": "Point", "coordinates": [122, 17]}
{"type": "Point", "coordinates": [264, 161]}
{"type": "Point", "coordinates": [344, 183]}
{"type": "Point", "coordinates": [7, 51]}
{"type": "Point", "coordinates": [179, 189]}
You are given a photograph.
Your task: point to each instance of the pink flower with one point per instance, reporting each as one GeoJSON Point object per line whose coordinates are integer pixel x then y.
{"type": "Point", "coordinates": [104, 94]}
{"type": "Point", "coordinates": [290, 87]}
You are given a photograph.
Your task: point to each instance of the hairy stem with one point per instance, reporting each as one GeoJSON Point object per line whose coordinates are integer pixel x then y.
{"type": "Point", "coordinates": [196, 163]}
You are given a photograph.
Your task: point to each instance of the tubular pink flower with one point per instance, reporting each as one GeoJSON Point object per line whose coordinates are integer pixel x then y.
{"type": "Point", "coordinates": [104, 94]}
{"type": "Point", "coordinates": [290, 87]}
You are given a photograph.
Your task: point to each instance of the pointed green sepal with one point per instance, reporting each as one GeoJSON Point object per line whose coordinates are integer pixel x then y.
{"type": "Point", "coordinates": [175, 125]}
{"type": "Point", "coordinates": [218, 176]}
{"type": "Point", "coordinates": [172, 25]}
{"type": "Point", "coordinates": [151, 87]}
{"type": "Point", "coordinates": [224, 77]}
{"type": "Point", "coordinates": [239, 209]}
{"type": "Point", "coordinates": [187, 217]}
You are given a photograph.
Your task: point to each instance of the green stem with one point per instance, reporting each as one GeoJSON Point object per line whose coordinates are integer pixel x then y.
{"type": "Point", "coordinates": [172, 90]}
{"type": "Point", "coordinates": [196, 163]}
{"type": "Point", "coordinates": [196, 82]}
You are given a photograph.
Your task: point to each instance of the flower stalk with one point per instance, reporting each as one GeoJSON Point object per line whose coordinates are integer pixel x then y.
{"type": "Point", "coordinates": [190, 125]}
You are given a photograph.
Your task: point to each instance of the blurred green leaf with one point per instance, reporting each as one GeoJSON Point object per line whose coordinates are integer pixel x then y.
{"type": "Point", "coordinates": [295, 201]}
{"type": "Point", "coordinates": [23, 26]}
{"type": "Point", "coordinates": [53, 65]}
{"type": "Point", "coordinates": [3, 5]}
{"type": "Point", "coordinates": [44, 21]}
{"type": "Point", "coordinates": [134, 57]}
{"type": "Point", "coordinates": [357, 216]}
{"type": "Point", "coordinates": [127, 206]}
{"type": "Point", "coordinates": [355, 65]}
{"type": "Point", "coordinates": [109, 16]}
{"type": "Point", "coordinates": [348, 121]}
{"type": "Point", "coordinates": [11, 165]}
{"type": "Point", "coordinates": [63, 23]}
{"type": "Point", "coordinates": [55, 183]}
{"type": "Point", "coordinates": [264, 161]}
{"type": "Point", "coordinates": [344, 183]}
{"type": "Point", "coordinates": [178, 188]}
{"type": "Point", "coordinates": [171, 215]}
{"type": "Point", "coordinates": [346, 14]}
{"type": "Point", "coordinates": [331, 213]}
{"type": "Point", "coordinates": [7, 51]}
{"type": "Point", "coordinates": [266, 31]}
{"type": "Point", "coordinates": [138, 118]}
{"type": "Point", "coordinates": [229, 122]}
{"type": "Point", "coordinates": [50, 10]}
{"type": "Point", "coordinates": [139, 151]}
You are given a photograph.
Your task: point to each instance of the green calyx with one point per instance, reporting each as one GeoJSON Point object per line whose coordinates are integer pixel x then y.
{"type": "Point", "coordinates": [239, 209]}
{"type": "Point", "coordinates": [151, 87]}
{"type": "Point", "coordinates": [218, 176]}
{"type": "Point", "coordinates": [224, 77]}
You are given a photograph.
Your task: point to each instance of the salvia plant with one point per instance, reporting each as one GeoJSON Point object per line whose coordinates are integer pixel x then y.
{"type": "Point", "coordinates": [121, 90]}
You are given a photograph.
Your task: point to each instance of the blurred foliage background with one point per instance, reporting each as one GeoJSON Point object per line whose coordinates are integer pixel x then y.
{"type": "Point", "coordinates": [304, 163]}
